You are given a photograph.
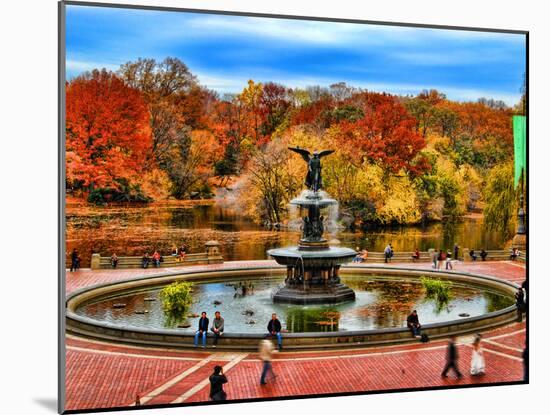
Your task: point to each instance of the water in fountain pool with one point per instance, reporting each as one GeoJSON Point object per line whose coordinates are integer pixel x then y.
{"type": "Point", "coordinates": [380, 303]}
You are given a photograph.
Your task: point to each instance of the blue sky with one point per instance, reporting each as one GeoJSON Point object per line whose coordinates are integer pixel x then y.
{"type": "Point", "coordinates": [225, 51]}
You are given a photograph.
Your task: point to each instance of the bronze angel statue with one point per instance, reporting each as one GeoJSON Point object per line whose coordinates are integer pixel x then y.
{"type": "Point", "coordinates": [313, 178]}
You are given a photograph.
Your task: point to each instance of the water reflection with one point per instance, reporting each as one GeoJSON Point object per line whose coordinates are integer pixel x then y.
{"type": "Point", "coordinates": [380, 303]}
{"type": "Point", "coordinates": [135, 230]}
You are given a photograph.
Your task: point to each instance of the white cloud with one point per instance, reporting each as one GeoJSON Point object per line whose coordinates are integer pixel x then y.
{"type": "Point", "coordinates": [345, 35]}
{"type": "Point", "coordinates": [235, 84]}
{"type": "Point", "coordinates": [77, 66]}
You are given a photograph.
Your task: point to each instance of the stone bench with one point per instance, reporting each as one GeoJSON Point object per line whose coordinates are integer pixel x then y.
{"type": "Point", "coordinates": [397, 257]}
{"type": "Point", "coordinates": [493, 255]}
{"type": "Point", "coordinates": [211, 256]}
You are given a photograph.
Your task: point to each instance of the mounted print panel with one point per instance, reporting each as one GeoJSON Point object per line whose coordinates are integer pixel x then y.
{"type": "Point", "coordinates": [250, 199]}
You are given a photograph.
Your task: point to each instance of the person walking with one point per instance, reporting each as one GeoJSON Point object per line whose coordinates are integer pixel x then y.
{"type": "Point", "coordinates": [217, 327]}
{"type": "Point", "coordinates": [440, 259]}
{"type": "Point", "coordinates": [477, 365]}
{"type": "Point", "coordinates": [448, 261]}
{"type": "Point", "coordinates": [452, 358]}
{"type": "Point", "coordinates": [266, 351]}
{"type": "Point", "coordinates": [217, 380]}
{"type": "Point", "coordinates": [274, 329]}
{"type": "Point", "coordinates": [456, 249]}
{"type": "Point", "coordinates": [202, 331]}
{"type": "Point", "coordinates": [520, 303]}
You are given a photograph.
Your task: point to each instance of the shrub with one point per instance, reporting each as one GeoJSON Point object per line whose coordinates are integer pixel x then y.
{"type": "Point", "coordinates": [176, 297]}
{"type": "Point", "coordinates": [437, 289]}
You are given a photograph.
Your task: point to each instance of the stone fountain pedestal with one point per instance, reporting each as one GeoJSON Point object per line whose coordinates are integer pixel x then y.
{"type": "Point", "coordinates": [313, 266]}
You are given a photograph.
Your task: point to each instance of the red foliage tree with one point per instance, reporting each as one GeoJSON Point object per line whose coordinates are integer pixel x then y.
{"type": "Point", "coordinates": [385, 135]}
{"type": "Point", "coordinates": [108, 132]}
{"type": "Point", "coordinates": [274, 104]}
{"type": "Point", "coordinates": [314, 113]}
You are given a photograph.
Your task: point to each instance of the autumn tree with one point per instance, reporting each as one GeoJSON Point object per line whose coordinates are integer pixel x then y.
{"type": "Point", "coordinates": [251, 116]}
{"type": "Point", "coordinates": [272, 177]}
{"type": "Point", "coordinates": [386, 135]}
{"type": "Point", "coordinates": [178, 105]}
{"type": "Point", "coordinates": [108, 134]}
{"type": "Point", "coordinates": [274, 105]}
{"type": "Point", "coordinates": [500, 198]}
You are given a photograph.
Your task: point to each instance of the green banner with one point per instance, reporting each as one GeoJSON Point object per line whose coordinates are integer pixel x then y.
{"type": "Point", "coordinates": [520, 147]}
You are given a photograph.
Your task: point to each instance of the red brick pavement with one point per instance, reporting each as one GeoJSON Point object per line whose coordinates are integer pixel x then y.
{"type": "Point", "coordinates": [102, 375]}
{"type": "Point", "coordinates": [96, 380]}
{"type": "Point", "coordinates": [509, 270]}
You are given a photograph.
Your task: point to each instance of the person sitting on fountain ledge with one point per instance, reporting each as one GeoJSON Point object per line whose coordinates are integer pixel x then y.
{"type": "Point", "coordinates": [274, 329]}
{"type": "Point", "coordinates": [217, 327]}
{"type": "Point", "coordinates": [413, 324]}
{"type": "Point", "coordinates": [145, 260]}
{"type": "Point", "coordinates": [203, 329]}
{"type": "Point", "coordinates": [388, 253]}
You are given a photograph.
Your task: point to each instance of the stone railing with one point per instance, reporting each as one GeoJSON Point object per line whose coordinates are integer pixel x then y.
{"type": "Point", "coordinates": [212, 255]}
{"type": "Point", "coordinates": [493, 255]}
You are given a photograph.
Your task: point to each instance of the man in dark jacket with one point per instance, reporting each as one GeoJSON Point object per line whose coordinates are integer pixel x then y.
{"type": "Point", "coordinates": [274, 329]}
{"type": "Point", "coordinates": [413, 324]}
{"type": "Point", "coordinates": [217, 379]}
{"type": "Point", "coordinates": [203, 329]}
{"type": "Point", "coordinates": [520, 303]}
{"type": "Point", "coordinates": [452, 357]}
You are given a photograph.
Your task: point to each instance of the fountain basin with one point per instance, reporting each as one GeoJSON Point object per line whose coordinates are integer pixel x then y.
{"type": "Point", "coordinates": [312, 257]}
{"type": "Point", "coordinates": [242, 340]}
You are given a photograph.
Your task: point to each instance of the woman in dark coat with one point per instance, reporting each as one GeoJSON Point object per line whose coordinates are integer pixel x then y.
{"type": "Point", "coordinates": [217, 379]}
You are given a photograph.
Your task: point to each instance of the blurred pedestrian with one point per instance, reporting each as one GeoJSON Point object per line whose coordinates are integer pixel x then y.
{"type": "Point", "coordinates": [477, 366]}
{"type": "Point", "coordinates": [440, 258]}
{"type": "Point", "coordinates": [456, 249]}
{"type": "Point", "coordinates": [217, 380]}
{"type": "Point", "coordinates": [266, 354]}
{"type": "Point", "coordinates": [451, 359]}
{"type": "Point", "coordinates": [449, 260]}
{"type": "Point", "coordinates": [520, 303]}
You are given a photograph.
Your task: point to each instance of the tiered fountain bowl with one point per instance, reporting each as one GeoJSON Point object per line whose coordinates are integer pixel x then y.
{"type": "Point", "coordinates": [313, 266]}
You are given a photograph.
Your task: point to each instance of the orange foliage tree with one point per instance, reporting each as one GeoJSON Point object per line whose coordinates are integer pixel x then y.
{"type": "Point", "coordinates": [108, 134]}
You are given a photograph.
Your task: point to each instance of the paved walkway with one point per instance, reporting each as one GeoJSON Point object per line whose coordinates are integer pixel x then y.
{"type": "Point", "coordinates": [102, 375]}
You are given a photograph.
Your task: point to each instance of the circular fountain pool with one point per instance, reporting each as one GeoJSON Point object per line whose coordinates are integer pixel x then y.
{"type": "Point", "coordinates": [384, 298]}
{"type": "Point", "coordinates": [381, 302]}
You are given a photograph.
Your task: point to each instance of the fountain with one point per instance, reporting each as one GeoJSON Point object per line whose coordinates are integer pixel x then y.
{"type": "Point", "coordinates": [313, 266]}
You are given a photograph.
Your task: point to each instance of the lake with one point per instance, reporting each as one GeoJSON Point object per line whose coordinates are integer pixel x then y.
{"type": "Point", "coordinates": [133, 230]}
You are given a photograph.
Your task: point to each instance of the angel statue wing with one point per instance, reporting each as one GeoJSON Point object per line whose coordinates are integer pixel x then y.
{"type": "Point", "coordinates": [301, 151]}
{"type": "Point", "coordinates": [325, 153]}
